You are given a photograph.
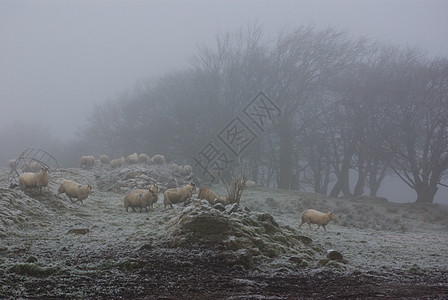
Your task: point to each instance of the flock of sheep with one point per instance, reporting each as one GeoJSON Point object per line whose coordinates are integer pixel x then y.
{"type": "Point", "coordinates": [144, 198]}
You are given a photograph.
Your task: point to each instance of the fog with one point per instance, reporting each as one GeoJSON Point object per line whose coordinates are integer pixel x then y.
{"type": "Point", "coordinates": [58, 59]}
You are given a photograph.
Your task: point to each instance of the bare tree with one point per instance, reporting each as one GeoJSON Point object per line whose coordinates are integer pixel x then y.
{"type": "Point", "coordinates": [419, 116]}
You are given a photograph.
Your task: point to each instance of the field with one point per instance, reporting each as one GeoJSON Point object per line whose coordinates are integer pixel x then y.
{"type": "Point", "coordinates": [53, 248]}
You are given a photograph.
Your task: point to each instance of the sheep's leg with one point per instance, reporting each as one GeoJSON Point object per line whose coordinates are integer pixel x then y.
{"type": "Point", "coordinates": [301, 224]}
{"type": "Point", "coordinates": [309, 225]}
{"type": "Point", "coordinates": [133, 209]}
{"type": "Point", "coordinates": [318, 226]}
{"type": "Point", "coordinates": [324, 228]}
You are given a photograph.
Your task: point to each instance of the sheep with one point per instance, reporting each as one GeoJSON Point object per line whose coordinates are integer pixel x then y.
{"type": "Point", "coordinates": [132, 159]}
{"type": "Point", "coordinates": [12, 164]}
{"type": "Point", "coordinates": [187, 170]}
{"type": "Point", "coordinates": [30, 180]}
{"type": "Point", "coordinates": [174, 167]}
{"type": "Point", "coordinates": [207, 194]}
{"type": "Point", "coordinates": [88, 161]}
{"type": "Point", "coordinates": [250, 184]}
{"type": "Point", "coordinates": [74, 190]}
{"type": "Point", "coordinates": [118, 162]}
{"type": "Point", "coordinates": [142, 198]}
{"type": "Point", "coordinates": [104, 159]}
{"type": "Point", "coordinates": [32, 166]}
{"type": "Point", "coordinates": [143, 158]}
{"type": "Point", "coordinates": [158, 159]}
{"type": "Point", "coordinates": [312, 216]}
{"type": "Point", "coordinates": [176, 195]}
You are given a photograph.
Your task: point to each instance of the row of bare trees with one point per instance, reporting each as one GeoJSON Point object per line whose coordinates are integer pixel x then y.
{"type": "Point", "coordinates": [353, 111]}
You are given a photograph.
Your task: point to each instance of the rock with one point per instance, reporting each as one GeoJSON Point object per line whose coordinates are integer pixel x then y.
{"type": "Point", "coordinates": [219, 207]}
{"type": "Point", "coordinates": [231, 208]}
{"type": "Point", "coordinates": [334, 255]}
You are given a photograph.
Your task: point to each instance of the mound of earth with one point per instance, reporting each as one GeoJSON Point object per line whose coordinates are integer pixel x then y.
{"type": "Point", "coordinates": [243, 237]}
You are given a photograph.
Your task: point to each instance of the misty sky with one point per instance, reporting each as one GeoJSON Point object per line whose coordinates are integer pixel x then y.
{"type": "Point", "coordinates": [59, 58]}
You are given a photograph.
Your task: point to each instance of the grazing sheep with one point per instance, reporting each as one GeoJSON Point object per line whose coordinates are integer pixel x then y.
{"type": "Point", "coordinates": [30, 180]}
{"type": "Point", "coordinates": [158, 159]}
{"type": "Point", "coordinates": [142, 198]}
{"type": "Point", "coordinates": [104, 159]}
{"type": "Point", "coordinates": [87, 161]}
{"type": "Point", "coordinates": [74, 190]}
{"type": "Point", "coordinates": [176, 195]}
{"type": "Point", "coordinates": [132, 159]}
{"type": "Point", "coordinates": [118, 162]}
{"type": "Point", "coordinates": [207, 194]}
{"type": "Point", "coordinates": [143, 158]}
{"type": "Point", "coordinates": [312, 216]}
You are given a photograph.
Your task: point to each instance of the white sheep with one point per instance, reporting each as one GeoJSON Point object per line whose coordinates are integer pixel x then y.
{"type": "Point", "coordinates": [174, 167]}
{"type": "Point", "coordinates": [12, 164]}
{"type": "Point", "coordinates": [158, 159]}
{"type": "Point", "coordinates": [250, 184]}
{"type": "Point", "coordinates": [104, 159]}
{"type": "Point", "coordinates": [142, 198]}
{"type": "Point", "coordinates": [118, 162]}
{"type": "Point", "coordinates": [143, 158]}
{"type": "Point", "coordinates": [31, 180]}
{"type": "Point", "coordinates": [176, 195]}
{"type": "Point", "coordinates": [87, 161]}
{"type": "Point", "coordinates": [74, 190]}
{"type": "Point", "coordinates": [312, 216]}
{"type": "Point", "coordinates": [32, 166]}
{"type": "Point", "coordinates": [132, 159]}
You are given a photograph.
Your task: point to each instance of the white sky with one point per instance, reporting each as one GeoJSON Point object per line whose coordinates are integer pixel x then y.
{"type": "Point", "coordinates": [58, 58]}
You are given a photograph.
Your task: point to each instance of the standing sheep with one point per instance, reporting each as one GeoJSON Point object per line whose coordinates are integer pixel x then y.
{"type": "Point", "coordinates": [87, 161]}
{"type": "Point", "coordinates": [74, 190]}
{"type": "Point", "coordinates": [141, 198]}
{"type": "Point", "coordinates": [312, 216]}
{"type": "Point", "coordinates": [12, 164]}
{"type": "Point", "coordinates": [143, 158]}
{"type": "Point", "coordinates": [132, 159]}
{"type": "Point", "coordinates": [104, 159]}
{"type": "Point", "coordinates": [176, 195]}
{"type": "Point", "coordinates": [31, 180]}
{"type": "Point", "coordinates": [158, 159]}
{"type": "Point", "coordinates": [118, 162]}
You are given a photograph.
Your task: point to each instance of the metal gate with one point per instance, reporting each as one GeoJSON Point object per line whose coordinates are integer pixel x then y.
{"type": "Point", "coordinates": [32, 160]}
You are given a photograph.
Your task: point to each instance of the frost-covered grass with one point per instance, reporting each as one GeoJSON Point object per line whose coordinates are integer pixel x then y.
{"type": "Point", "coordinates": [373, 236]}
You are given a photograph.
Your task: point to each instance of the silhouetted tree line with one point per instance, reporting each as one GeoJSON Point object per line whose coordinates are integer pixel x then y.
{"type": "Point", "coordinates": [351, 108]}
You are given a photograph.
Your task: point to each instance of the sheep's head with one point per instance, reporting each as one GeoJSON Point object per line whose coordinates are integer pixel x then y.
{"type": "Point", "coordinates": [193, 187]}
{"type": "Point", "coordinates": [45, 170]}
{"type": "Point", "coordinates": [332, 216]}
{"type": "Point", "coordinates": [154, 189]}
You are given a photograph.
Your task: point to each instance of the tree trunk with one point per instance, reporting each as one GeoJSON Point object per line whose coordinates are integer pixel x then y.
{"type": "Point", "coordinates": [426, 194]}
{"type": "Point", "coordinates": [285, 163]}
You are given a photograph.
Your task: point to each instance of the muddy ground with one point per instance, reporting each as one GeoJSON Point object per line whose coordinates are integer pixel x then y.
{"type": "Point", "coordinates": [51, 248]}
